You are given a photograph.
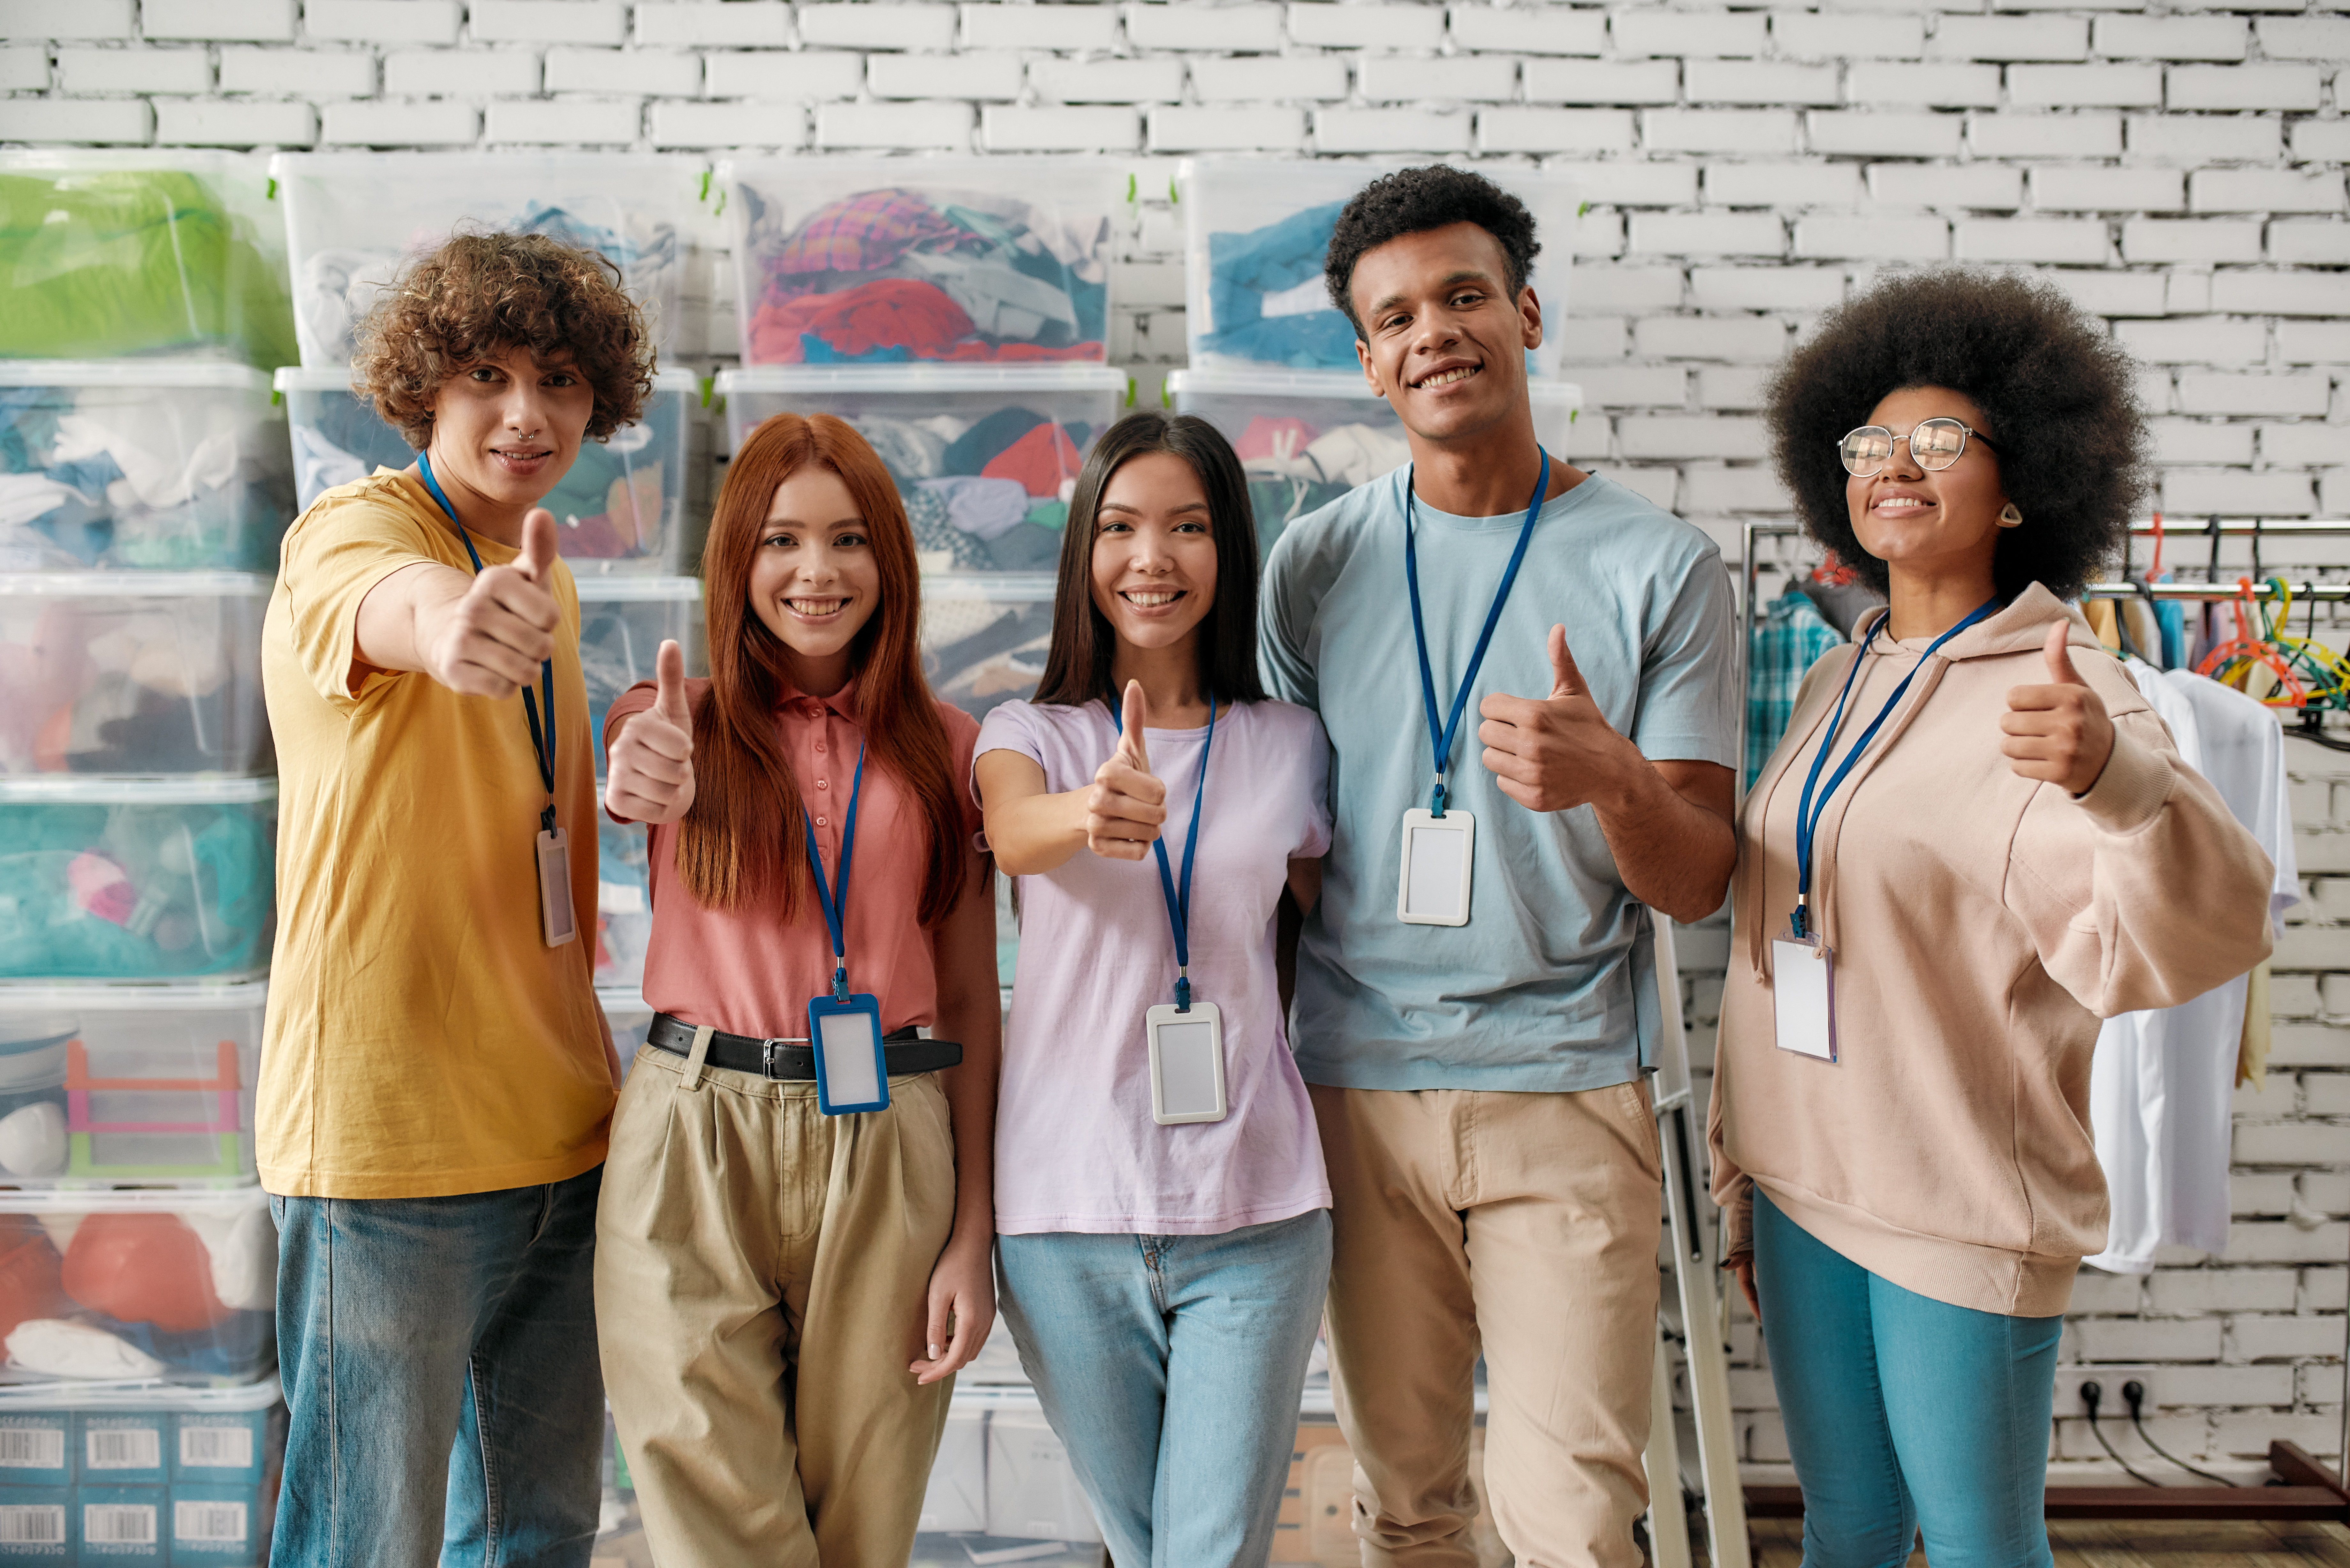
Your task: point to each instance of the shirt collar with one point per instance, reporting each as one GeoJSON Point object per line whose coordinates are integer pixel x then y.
{"type": "Point", "coordinates": [843, 702]}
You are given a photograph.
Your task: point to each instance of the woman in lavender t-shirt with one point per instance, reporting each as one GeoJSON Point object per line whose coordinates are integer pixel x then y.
{"type": "Point", "coordinates": [1164, 1283]}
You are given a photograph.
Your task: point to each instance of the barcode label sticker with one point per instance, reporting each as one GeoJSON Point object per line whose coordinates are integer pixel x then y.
{"type": "Point", "coordinates": [125, 1447]}
{"type": "Point", "coordinates": [32, 1447]}
{"type": "Point", "coordinates": [33, 1524]}
{"type": "Point", "coordinates": [118, 1523]}
{"type": "Point", "coordinates": [225, 1447]}
{"type": "Point", "coordinates": [212, 1522]}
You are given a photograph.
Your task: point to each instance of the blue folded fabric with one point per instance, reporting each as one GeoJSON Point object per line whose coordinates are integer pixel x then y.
{"type": "Point", "coordinates": [1243, 268]}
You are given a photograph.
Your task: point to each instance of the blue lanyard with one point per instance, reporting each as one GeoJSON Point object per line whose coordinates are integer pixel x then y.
{"type": "Point", "coordinates": [1440, 737]}
{"type": "Point", "coordinates": [836, 903]}
{"type": "Point", "coordinates": [1807, 818]}
{"type": "Point", "coordinates": [1179, 906]}
{"type": "Point", "coordinates": [543, 749]}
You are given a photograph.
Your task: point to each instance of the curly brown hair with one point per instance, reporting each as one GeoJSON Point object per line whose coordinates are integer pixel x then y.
{"type": "Point", "coordinates": [2060, 396]}
{"type": "Point", "coordinates": [482, 294]}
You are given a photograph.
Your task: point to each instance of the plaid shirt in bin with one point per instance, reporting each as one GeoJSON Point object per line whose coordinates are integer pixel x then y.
{"type": "Point", "coordinates": [1788, 640]}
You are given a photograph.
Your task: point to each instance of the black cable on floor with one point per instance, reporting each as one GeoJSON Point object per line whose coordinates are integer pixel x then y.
{"type": "Point", "coordinates": [2091, 1394]}
{"type": "Point", "coordinates": [2133, 1396]}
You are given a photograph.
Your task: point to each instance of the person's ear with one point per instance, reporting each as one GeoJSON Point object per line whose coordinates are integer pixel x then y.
{"type": "Point", "coordinates": [1370, 371]}
{"type": "Point", "coordinates": [1530, 318]}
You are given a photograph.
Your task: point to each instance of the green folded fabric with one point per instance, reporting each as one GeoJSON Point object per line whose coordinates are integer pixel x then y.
{"type": "Point", "coordinates": [107, 263]}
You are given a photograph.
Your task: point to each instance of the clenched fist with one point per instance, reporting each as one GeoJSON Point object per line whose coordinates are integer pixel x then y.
{"type": "Point", "coordinates": [490, 641]}
{"type": "Point", "coordinates": [651, 772]}
{"type": "Point", "coordinates": [2058, 733]}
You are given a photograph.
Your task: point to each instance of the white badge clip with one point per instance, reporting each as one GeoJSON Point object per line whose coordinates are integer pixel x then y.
{"type": "Point", "coordinates": [1438, 852]}
{"type": "Point", "coordinates": [1803, 994]}
{"type": "Point", "coordinates": [555, 916]}
{"type": "Point", "coordinates": [1187, 1063]}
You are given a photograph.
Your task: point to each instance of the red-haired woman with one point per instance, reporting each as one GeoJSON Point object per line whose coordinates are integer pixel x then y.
{"type": "Point", "coordinates": [784, 1287]}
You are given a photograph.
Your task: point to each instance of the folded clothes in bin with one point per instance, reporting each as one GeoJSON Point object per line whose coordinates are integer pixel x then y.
{"type": "Point", "coordinates": [891, 275]}
{"type": "Point", "coordinates": [989, 495]}
{"type": "Point", "coordinates": [1294, 468]}
{"type": "Point", "coordinates": [102, 1291]}
{"type": "Point", "coordinates": [110, 262]}
{"type": "Point", "coordinates": [1266, 296]}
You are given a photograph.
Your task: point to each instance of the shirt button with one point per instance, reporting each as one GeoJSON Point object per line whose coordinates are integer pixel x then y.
{"type": "Point", "coordinates": [824, 783]}
{"type": "Point", "coordinates": [819, 748]}
{"type": "Point", "coordinates": [820, 822]}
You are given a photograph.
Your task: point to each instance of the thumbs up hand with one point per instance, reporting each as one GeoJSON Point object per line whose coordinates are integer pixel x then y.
{"type": "Point", "coordinates": [651, 766]}
{"type": "Point", "coordinates": [1553, 753]}
{"type": "Point", "coordinates": [490, 641]}
{"type": "Point", "coordinates": [1126, 804]}
{"type": "Point", "coordinates": [2058, 733]}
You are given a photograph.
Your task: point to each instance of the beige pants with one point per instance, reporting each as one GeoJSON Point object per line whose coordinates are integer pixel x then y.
{"type": "Point", "coordinates": [1528, 1222]}
{"type": "Point", "coordinates": [762, 1272]}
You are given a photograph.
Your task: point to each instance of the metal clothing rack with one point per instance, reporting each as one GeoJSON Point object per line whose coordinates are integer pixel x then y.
{"type": "Point", "coordinates": [2301, 1487]}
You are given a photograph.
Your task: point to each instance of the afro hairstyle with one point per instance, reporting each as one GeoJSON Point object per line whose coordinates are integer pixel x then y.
{"type": "Point", "coordinates": [1414, 200]}
{"type": "Point", "coordinates": [479, 295]}
{"type": "Point", "coordinates": [2058, 394]}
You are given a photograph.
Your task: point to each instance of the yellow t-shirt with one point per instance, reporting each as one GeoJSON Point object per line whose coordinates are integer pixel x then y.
{"type": "Point", "coordinates": [423, 1039]}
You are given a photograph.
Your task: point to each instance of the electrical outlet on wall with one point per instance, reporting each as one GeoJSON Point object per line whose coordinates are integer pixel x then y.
{"type": "Point", "coordinates": [2109, 1378]}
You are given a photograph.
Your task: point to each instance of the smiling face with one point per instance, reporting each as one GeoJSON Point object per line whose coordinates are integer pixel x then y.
{"type": "Point", "coordinates": [814, 579]}
{"type": "Point", "coordinates": [1154, 556]}
{"type": "Point", "coordinates": [506, 428]}
{"type": "Point", "coordinates": [1916, 517]}
{"type": "Point", "coordinates": [1442, 340]}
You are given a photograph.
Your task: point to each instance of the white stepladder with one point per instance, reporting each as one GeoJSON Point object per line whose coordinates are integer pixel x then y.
{"type": "Point", "coordinates": [1693, 1270]}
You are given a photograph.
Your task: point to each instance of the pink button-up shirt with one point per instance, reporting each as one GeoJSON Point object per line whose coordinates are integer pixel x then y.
{"type": "Point", "coordinates": [750, 971]}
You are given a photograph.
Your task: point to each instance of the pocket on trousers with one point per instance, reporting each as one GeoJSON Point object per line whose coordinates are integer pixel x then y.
{"type": "Point", "coordinates": [1646, 1134]}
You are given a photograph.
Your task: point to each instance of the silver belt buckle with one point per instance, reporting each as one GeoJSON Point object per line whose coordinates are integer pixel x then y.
{"type": "Point", "coordinates": [767, 1049]}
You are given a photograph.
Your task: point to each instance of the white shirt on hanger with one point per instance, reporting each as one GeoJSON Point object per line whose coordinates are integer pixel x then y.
{"type": "Point", "coordinates": [2162, 1084]}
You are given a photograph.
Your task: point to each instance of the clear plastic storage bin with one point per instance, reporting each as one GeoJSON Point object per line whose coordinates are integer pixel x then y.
{"type": "Point", "coordinates": [133, 673]}
{"type": "Point", "coordinates": [622, 507]}
{"type": "Point", "coordinates": [110, 253]}
{"type": "Point", "coordinates": [177, 464]}
{"type": "Point", "coordinates": [353, 218]}
{"type": "Point", "coordinates": [984, 637]}
{"type": "Point", "coordinates": [137, 1287]}
{"type": "Point", "coordinates": [985, 458]}
{"type": "Point", "coordinates": [1307, 439]}
{"type": "Point", "coordinates": [184, 1475]}
{"type": "Point", "coordinates": [622, 623]}
{"type": "Point", "coordinates": [886, 261]}
{"type": "Point", "coordinates": [624, 907]}
{"type": "Point", "coordinates": [130, 880]}
{"type": "Point", "coordinates": [111, 1084]}
{"type": "Point", "coordinates": [1257, 230]}
{"type": "Point", "coordinates": [629, 1019]}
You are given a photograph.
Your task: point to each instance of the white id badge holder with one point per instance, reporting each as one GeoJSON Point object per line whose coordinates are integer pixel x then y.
{"type": "Point", "coordinates": [556, 917]}
{"type": "Point", "coordinates": [1438, 852]}
{"type": "Point", "coordinates": [1187, 1063]}
{"type": "Point", "coordinates": [851, 1072]}
{"type": "Point", "coordinates": [1803, 994]}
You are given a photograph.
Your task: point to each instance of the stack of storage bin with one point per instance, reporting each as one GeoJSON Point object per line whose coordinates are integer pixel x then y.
{"type": "Point", "coordinates": [143, 488]}
{"type": "Point", "coordinates": [630, 510]}
{"type": "Point", "coordinates": [1273, 365]}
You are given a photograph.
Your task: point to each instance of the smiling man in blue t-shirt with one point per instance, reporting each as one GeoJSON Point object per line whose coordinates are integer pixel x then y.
{"type": "Point", "coordinates": [1476, 1053]}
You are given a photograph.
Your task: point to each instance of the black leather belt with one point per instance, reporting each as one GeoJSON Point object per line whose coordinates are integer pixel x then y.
{"type": "Point", "coordinates": [794, 1061]}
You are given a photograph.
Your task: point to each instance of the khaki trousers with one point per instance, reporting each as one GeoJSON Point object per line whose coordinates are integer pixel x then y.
{"type": "Point", "coordinates": [762, 1274]}
{"type": "Point", "coordinates": [1527, 1222]}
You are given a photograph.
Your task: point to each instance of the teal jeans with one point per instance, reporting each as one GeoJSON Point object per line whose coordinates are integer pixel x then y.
{"type": "Point", "coordinates": [1904, 1413]}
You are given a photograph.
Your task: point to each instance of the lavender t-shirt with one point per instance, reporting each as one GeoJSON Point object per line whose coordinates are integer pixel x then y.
{"type": "Point", "coordinates": [1075, 1148]}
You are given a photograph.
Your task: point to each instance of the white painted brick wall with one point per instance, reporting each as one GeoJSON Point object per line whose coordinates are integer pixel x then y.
{"type": "Point", "coordinates": [2175, 168]}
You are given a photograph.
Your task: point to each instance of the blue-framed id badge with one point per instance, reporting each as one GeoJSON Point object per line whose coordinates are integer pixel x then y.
{"type": "Point", "coordinates": [851, 1072]}
{"type": "Point", "coordinates": [1803, 994]}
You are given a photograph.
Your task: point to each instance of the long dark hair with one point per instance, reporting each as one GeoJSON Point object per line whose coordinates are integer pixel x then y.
{"type": "Point", "coordinates": [1076, 668]}
{"type": "Point", "coordinates": [739, 841]}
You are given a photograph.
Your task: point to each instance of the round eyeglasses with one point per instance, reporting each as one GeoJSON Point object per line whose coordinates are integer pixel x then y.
{"type": "Point", "coordinates": [1935, 445]}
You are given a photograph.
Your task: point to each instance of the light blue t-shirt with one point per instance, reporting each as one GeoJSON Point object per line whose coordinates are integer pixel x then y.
{"type": "Point", "coordinates": [1548, 987]}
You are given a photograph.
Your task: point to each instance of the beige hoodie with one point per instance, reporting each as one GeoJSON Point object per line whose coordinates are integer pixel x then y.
{"type": "Point", "coordinates": [1982, 924]}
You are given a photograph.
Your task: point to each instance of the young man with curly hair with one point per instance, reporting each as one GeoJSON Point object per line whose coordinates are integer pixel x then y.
{"type": "Point", "coordinates": [437, 1079]}
{"type": "Point", "coordinates": [1475, 1006]}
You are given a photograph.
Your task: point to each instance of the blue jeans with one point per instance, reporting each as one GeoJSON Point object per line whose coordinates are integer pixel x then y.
{"type": "Point", "coordinates": [439, 1355]}
{"type": "Point", "coordinates": [1904, 1412]}
{"type": "Point", "coordinates": [1170, 1366]}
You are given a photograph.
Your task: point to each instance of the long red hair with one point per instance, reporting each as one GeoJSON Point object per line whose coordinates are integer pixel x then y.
{"type": "Point", "coordinates": [742, 840]}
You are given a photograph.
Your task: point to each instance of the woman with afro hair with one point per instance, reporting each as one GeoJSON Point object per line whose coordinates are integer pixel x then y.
{"type": "Point", "coordinates": [1975, 842]}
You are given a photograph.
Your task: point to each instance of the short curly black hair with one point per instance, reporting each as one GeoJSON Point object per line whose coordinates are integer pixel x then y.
{"type": "Point", "coordinates": [2059, 395]}
{"type": "Point", "coordinates": [1412, 202]}
{"type": "Point", "coordinates": [482, 294]}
